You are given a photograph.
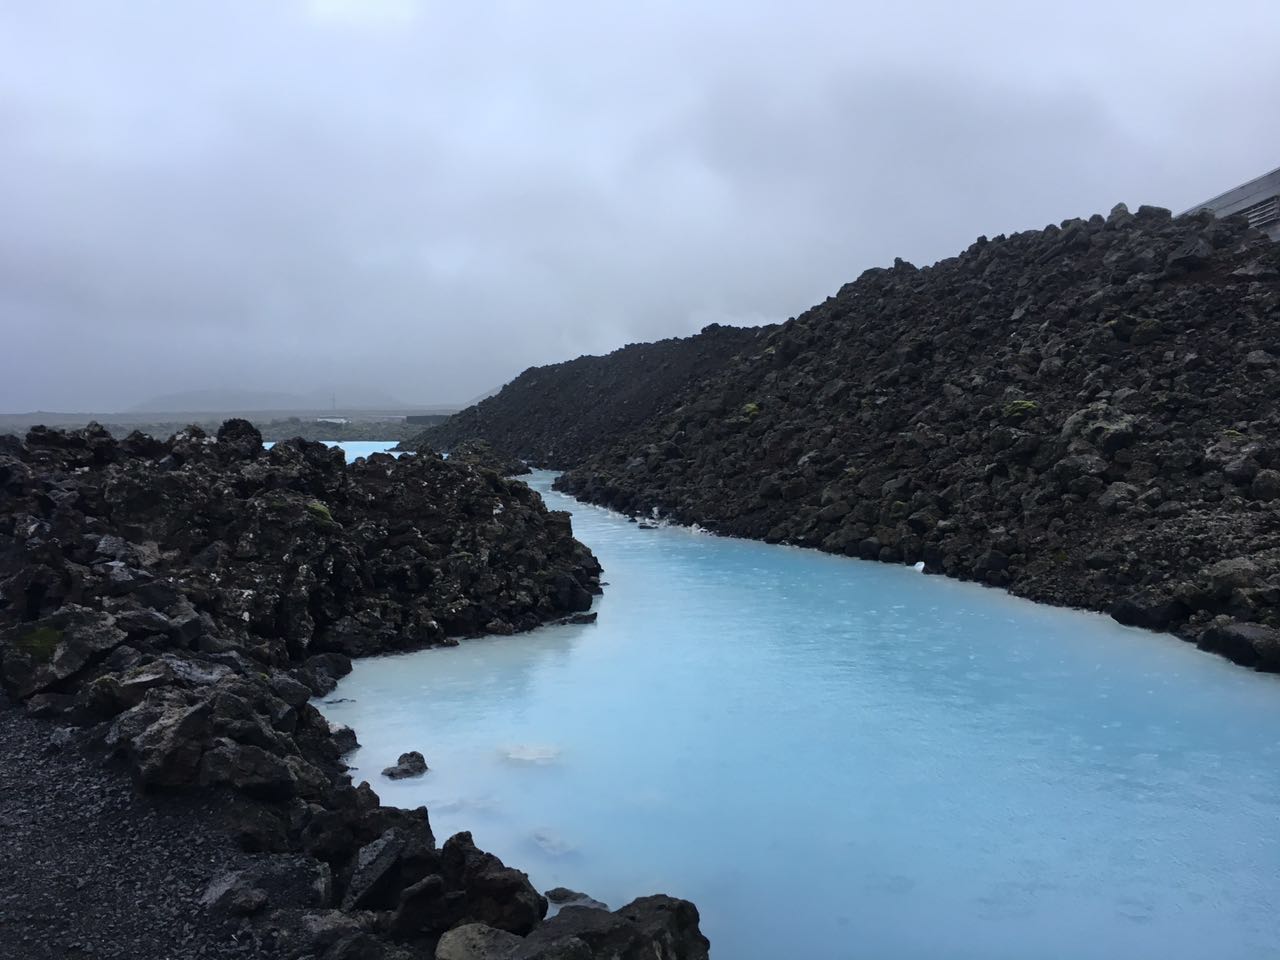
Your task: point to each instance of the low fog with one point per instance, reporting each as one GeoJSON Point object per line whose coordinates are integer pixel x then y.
{"type": "Point", "coordinates": [423, 198]}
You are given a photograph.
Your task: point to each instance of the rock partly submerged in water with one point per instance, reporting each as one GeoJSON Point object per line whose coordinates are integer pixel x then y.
{"type": "Point", "coordinates": [411, 764]}
{"type": "Point", "coordinates": [651, 928]}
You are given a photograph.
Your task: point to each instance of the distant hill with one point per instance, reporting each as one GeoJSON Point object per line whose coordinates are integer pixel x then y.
{"type": "Point", "coordinates": [558, 415]}
{"type": "Point", "coordinates": [235, 401]}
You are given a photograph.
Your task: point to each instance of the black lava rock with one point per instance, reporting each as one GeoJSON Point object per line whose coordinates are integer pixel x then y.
{"type": "Point", "coordinates": [1088, 415]}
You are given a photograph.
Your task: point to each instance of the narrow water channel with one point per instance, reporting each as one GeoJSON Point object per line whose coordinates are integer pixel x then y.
{"type": "Point", "coordinates": [840, 759]}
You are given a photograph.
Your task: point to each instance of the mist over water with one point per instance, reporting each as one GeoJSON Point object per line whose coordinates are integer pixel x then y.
{"type": "Point", "coordinates": [841, 759]}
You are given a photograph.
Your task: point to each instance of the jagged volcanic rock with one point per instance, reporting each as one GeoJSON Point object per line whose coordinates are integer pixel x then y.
{"type": "Point", "coordinates": [480, 453]}
{"type": "Point", "coordinates": [1087, 414]}
{"type": "Point", "coordinates": [557, 415]}
{"type": "Point", "coordinates": [184, 601]}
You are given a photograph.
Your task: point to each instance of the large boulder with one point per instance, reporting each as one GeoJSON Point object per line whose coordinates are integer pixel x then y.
{"type": "Point", "coordinates": [372, 882]}
{"type": "Point", "coordinates": [411, 764]}
{"type": "Point", "coordinates": [240, 438]}
{"type": "Point", "coordinates": [1150, 609]}
{"type": "Point", "coordinates": [1250, 644]}
{"type": "Point", "coordinates": [249, 769]}
{"type": "Point", "coordinates": [43, 653]}
{"type": "Point", "coordinates": [164, 738]}
{"type": "Point", "coordinates": [494, 893]}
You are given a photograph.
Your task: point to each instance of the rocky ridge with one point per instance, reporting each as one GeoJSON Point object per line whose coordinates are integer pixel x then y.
{"type": "Point", "coordinates": [175, 607]}
{"type": "Point", "coordinates": [480, 453]}
{"type": "Point", "coordinates": [556, 416]}
{"type": "Point", "coordinates": [1087, 415]}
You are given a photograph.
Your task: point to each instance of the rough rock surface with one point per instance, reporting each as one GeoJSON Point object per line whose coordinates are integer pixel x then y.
{"type": "Point", "coordinates": [1088, 415]}
{"type": "Point", "coordinates": [557, 415]}
{"type": "Point", "coordinates": [180, 603]}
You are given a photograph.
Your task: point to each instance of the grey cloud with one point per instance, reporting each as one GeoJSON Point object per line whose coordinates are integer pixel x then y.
{"type": "Point", "coordinates": [428, 197]}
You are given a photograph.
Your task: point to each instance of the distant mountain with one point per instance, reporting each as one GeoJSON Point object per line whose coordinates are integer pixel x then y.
{"type": "Point", "coordinates": [229, 401]}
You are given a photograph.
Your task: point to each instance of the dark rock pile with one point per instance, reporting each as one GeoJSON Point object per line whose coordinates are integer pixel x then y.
{"type": "Point", "coordinates": [480, 453]}
{"type": "Point", "coordinates": [1087, 414]}
{"type": "Point", "coordinates": [556, 416]}
{"type": "Point", "coordinates": [182, 602]}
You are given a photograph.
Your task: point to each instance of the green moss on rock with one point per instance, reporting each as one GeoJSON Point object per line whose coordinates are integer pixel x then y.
{"type": "Point", "coordinates": [1020, 409]}
{"type": "Point", "coordinates": [39, 643]}
{"type": "Point", "coordinates": [320, 511]}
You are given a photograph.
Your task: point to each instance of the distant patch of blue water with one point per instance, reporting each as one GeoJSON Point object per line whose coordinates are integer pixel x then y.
{"type": "Point", "coordinates": [840, 759]}
{"type": "Point", "coordinates": [357, 448]}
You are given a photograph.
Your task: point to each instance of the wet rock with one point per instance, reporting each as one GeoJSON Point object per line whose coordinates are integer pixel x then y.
{"type": "Point", "coordinates": [344, 738]}
{"type": "Point", "coordinates": [579, 619]}
{"type": "Point", "coordinates": [410, 764]}
{"type": "Point", "coordinates": [661, 928]}
{"type": "Point", "coordinates": [1150, 609]}
{"type": "Point", "coordinates": [1251, 644]}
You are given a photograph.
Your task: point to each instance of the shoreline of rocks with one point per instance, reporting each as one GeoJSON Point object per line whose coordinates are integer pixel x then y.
{"type": "Point", "coordinates": [177, 605]}
{"type": "Point", "coordinates": [1087, 415]}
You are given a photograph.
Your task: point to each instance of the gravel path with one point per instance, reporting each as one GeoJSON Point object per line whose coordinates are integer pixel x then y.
{"type": "Point", "coordinates": [89, 870]}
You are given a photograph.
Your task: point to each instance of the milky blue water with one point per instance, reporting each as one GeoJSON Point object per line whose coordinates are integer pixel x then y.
{"type": "Point", "coordinates": [354, 449]}
{"type": "Point", "coordinates": [839, 759]}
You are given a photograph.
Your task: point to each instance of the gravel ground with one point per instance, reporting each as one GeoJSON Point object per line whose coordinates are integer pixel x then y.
{"type": "Point", "coordinates": [90, 869]}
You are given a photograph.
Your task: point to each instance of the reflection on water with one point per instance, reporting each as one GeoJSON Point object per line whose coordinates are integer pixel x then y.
{"type": "Point", "coordinates": [845, 759]}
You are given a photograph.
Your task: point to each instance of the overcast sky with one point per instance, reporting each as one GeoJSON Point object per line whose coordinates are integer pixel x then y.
{"type": "Point", "coordinates": [425, 197]}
